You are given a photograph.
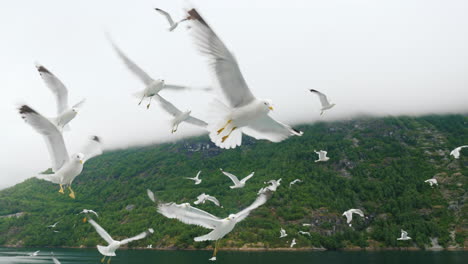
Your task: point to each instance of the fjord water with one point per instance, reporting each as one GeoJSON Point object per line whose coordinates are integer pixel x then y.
{"type": "Point", "coordinates": [85, 256]}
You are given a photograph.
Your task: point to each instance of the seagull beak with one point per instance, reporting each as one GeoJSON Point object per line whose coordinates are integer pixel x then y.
{"type": "Point", "coordinates": [81, 161]}
{"type": "Point", "coordinates": [271, 108]}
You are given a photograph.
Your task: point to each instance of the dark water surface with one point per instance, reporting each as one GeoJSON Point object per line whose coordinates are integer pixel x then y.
{"type": "Point", "coordinates": [85, 256]}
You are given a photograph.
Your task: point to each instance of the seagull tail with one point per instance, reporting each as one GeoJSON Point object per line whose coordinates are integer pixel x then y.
{"type": "Point", "coordinates": [54, 178]}
{"type": "Point", "coordinates": [222, 132]}
{"type": "Point", "coordinates": [105, 251]}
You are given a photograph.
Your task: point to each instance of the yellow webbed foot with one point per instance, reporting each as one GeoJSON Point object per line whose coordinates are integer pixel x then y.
{"type": "Point", "coordinates": [103, 259]}
{"type": "Point", "coordinates": [61, 189]}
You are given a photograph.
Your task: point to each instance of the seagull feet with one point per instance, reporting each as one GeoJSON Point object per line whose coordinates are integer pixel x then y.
{"type": "Point", "coordinates": [108, 262]}
{"type": "Point", "coordinates": [61, 189]}
{"type": "Point", "coordinates": [147, 107]}
{"type": "Point", "coordinates": [225, 137]}
{"type": "Point", "coordinates": [84, 220]}
{"type": "Point", "coordinates": [221, 129]}
{"type": "Point", "coordinates": [72, 193]}
{"type": "Point", "coordinates": [103, 259]}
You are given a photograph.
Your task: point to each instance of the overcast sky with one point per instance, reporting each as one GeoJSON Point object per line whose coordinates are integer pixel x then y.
{"type": "Point", "coordinates": [375, 57]}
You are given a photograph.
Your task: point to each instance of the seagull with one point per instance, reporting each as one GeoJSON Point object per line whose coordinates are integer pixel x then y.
{"type": "Point", "coordinates": [205, 197]}
{"type": "Point", "coordinates": [283, 233]}
{"type": "Point", "coordinates": [235, 180]}
{"type": "Point", "coordinates": [306, 224]}
{"type": "Point", "coordinates": [221, 227]}
{"type": "Point", "coordinates": [212, 259]}
{"type": "Point", "coordinates": [294, 182]}
{"type": "Point", "coordinates": [456, 152]}
{"type": "Point", "coordinates": [86, 211]}
{"type": "Point", "coordinates": [153, 87]}
{"type": "Point", "coordinates": [65, 113]}
{"type": "Point", "coordinates": [323, 100]}
{"type": "Point", "coordinates": [178, 115]}
{"type": "Point", "coordinates": [172, 24]}
{"type": "Point", "coordinates": [304, 233]}
{"type": "Point", "coordinates": [33, 254]}
{"type": "Point", "coordinates": [404, 235]}
{"type": "Point", "coordinates": [293, 242]}
{"type": "Point", "coordinates": [244, 112]}
{"type": "Point", "coordinates": [349, 214]}
{"type": "Point", "coordinates": [66, 168]}
{"type": "Point", "coordinates": [273, 186]}
{"type": "Point", "coordinates": [149, 246]}
{"type": "Point", "coordinates": [53, 226]}
{"type": "Point", "coordinates": [432, 182]}
{"type": "Point", "coordinates": [322, 155]}
{"type": "Point", "coordinates": [196, 178]}
{"type": "Point", "coordinates": [55, 231]}
{"type": "Point", "coordinates": [109, 251]}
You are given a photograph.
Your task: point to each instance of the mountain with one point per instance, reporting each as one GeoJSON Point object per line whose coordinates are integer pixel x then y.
{"type": "Point", "coordinates": [376, 164]}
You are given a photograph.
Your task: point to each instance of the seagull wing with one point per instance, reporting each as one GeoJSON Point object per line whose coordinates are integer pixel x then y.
{"type": "Point", "coordinates": [262, 198]}
{"type": "Point", "coordinates": [349, 216]}
{"type": "Point", "coordinates": [233, 177]}
{"type": "Point", "coordinates": [92, 149]}
{"type": "Point", "coordinates": [55, 260]}
{"type": "Point", "coordinates": [137, 237]}
{"type": "Point", "coordinates": [151, 195]}
{"type": "Point", "coordinates": [195, 121]}
{"type": "Point", "coordinates": [221, 62]}
{"type": "Point", "coordinates": [175, 87]}
{"type": "Point", "coordinates": [167, 106]}
{"type": "Point", "coordinates": [268, 128]}
{"type": "Point", "coordinates": [168, 17]}
{"type": "Point", "coordinates": [79, 104]}
{"type": "Point", "coordinates": [56, 86]}
{"type": "Point", "coordinates": [144, 77]}
{"type": "Point", "coordinates": [359, 212]}
{"type": "Point", "coordinates": [54, 140]}
{"type": "Point", "coordinates": [212, 199]}
{"type": "Point", "coordinates": [101, 231]}
{"type": "Point", "coordinates": [323, 98]}
{"type": "Point", "coordinates": [248, 177]}
{"type": "Point", "coordinates": [189, 215]}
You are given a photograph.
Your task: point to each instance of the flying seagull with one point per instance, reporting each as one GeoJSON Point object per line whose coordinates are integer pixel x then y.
{"type": "Point", "coordinates": [235, 180]}
{"type": "Point", "coordinates": [152, 87]}
{"type": "Point", "coordinates": [456, 152]}
{"type": "Point", "coordinates": [172, 24]}
{"type": "Point", "coordinates": [86, 211]}
{"type": "Point", "coordinates": [66, 168]}
{"type": "Point", "coordinates": [33, 254]}
{"type": "Point", "coordinates": [109, 251]}
{"type": "Point", "coordinates": [244, 112]}
{"type": "Point", "coordinates": [432, 182]}
{"type": "Point", "coordinates": [293, 242]}
{"type": "Point", "coordinates": [349, 214]}
{"type": "Point", "coordinates": [65, 113]}
{"type": "Point", "coordinates": [202, 198]}
{"type": "Point", "coordinates": [196, 178]}
{"type": "Point", "coordinates": [323, 100]}
{"type": "Point", "coordinates": [322, 155]}
{"type": "Point", "coordinates": [54, 225]}
{"type": "Point", "coordinates": [221, 227]}
{"type": "Point", "coordinates": [304, 233]}
{"type": "Point", "coordinates": [306, 224]}
{"type": "Point", "coordinates": [178, 115]}
{"type": "Point", "coordinates": [404, 235]}
{"type": "Point", "coordinates": [272, 187]}
{"type": "Point", "coordinates": [283, 233]}
{"type": "Point", "coordinates": [294, 182]}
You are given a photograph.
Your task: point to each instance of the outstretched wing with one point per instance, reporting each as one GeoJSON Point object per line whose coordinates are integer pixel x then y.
{"type": "Point", "coordinates": [55, 260]}
{"type": "Point", "coordinates": [101, 231]}
{"type": "Point", "coordinates": [132, 66]}
{"type": "Point", "coordinates": [323, 98]}
{"type": "Point", "coordinates": [137, 237]}
{"type": "Point", "coordinates": [167, 106]}
{"type": "Point", "coordinates": [189, 215]}
{"type": "Point", "coordinates": [247, 177]}
{"type": "Point", "coordinates": [79, 104]}
{"type": "Point", "coordinates": [56, 86]}
{"type": "Point", "coordinates": [151, 195]}
{"type": "Point", "coordinates": [213, 199]}
{"type": "Point", "coordinates": [52, 136]}
{"type": "Point", "coordinates": [195, 121]}
{"type": "Point", "coordinates": [359, 212]}
{"type": "Point", "coordinates": [222, 63]}
{"type": "Point", "coordinates": [262, 198]}
{"type": "Point", "coordinates": [268, 128]}
{"type": "Point", "coordinates": [233, 177]}
{"type": "Point", "coordinates": [92, 149]}
{"type": "Point", "coordinates": [168, 17]}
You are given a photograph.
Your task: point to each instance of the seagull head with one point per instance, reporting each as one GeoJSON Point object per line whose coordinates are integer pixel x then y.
{"type": "Point", "coordinates": [231, 217]}
{"type": "Point", "coordinates": [79, 157]}
{"type": "Point", "coordinates": [268, 103]}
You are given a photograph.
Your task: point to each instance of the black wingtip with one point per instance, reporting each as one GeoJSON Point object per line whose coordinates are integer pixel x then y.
{"type": "Point", "coordinates": [96, 138]}
{"type": "Point", "coordinates": [25, 109]}
{"type": "Point", "coordinates": [42, 69]}
{"type": "Point", "coordinates": [312, 90]}
{"type": "Point", "coordinates": [193, 14]}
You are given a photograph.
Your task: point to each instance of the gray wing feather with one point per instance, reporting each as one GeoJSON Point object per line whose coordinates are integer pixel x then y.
{"type": "Point", "coordinates": [56, 86]}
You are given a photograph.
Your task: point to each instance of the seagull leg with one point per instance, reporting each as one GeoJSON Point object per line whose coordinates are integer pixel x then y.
{"type": "Point", "coordinates": [225, 137]}
{"type": "Point", "coordinates": [141, 100]}
{"type": "Point", "coordinates": [216, 248]}
{"type": "Point", "coordinates": [221, 129]}
{"type": "Point", "coordinates": [61, 189]}
{"type": "Point", "coordinates": [147, 107]}
{"type": "Point", "coordinates": [108, 262]}
{"type": "Point", "coordinates": [103, 259]}
{"type": "Point", "coordinates": [72, 193]}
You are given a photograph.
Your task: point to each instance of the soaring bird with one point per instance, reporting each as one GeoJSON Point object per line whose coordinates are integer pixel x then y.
{"type": "Point", "coordinates": [456, 152]}
{"type": "Point", "coordinates": [404, 235]}
{"type": "Point", "coordinates": [196, 179]}
{"type": "Point", "coordinates": [109, 251]}
{"type": "Point", "coordinates": [54, 225]}
{"type": "Point", "coordinates": [66, 168]}
{"type": "Point", "coordinates": [172, 24]}
{"type": "Point", "coordinates": [152, 86]}
{"type": "Point", "coordinates": [283, 233]}
{"type": "Point", "coordinates": [304, 233]}
{"type": "Point", "coordinates": [432, 182]}
{"type": "Point", "coordinates": [235, 180]}
{"type": "Point", "coordinates": [244, 113]}
{"type": "Point", "coordinates": [33, 254]}
{"type": "Point", "coordinates": [322, 155]}
{"type": "Point", "coordinates": [194, 216]}
{"type": "Point", "coordinates": [86, 211]}
{"type": "Point", "coordinates": [349, 214]}
{"type": "Point", "coordinates": [202, 198]}
{"type": "Point", "coordinates": [178, 115]}
{"type": "Point", "coordinates": [65, 113]}
{"type": "Point", "coordinates": [323, 100]}
{"type": "Point", "coordinates": [293, 243]}
{"type": "Point", "coordinates": [294, 182]}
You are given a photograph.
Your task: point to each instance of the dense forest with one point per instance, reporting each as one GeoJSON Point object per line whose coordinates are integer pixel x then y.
{"type": "Point", "coordinates": [376, 164]}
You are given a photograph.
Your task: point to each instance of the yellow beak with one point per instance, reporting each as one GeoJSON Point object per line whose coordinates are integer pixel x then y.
{"type": "Point", "coordinates": [81, 161]}
{"type": "Point", "coordinates": [271, 108]}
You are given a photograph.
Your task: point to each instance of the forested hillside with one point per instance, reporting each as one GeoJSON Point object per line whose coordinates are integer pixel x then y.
{"type": "Point", "coordinates": [376, 164]}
